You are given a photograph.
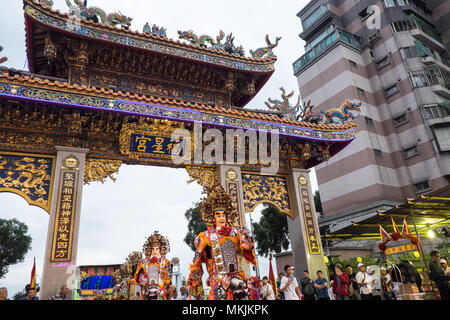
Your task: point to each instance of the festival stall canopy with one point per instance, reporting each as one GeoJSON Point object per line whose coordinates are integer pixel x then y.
{"type": "Point", "coordinates": [427, 212]}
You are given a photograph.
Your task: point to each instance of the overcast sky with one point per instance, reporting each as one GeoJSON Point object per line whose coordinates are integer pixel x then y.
{"type": "Point", "coordinates": [116, 218]}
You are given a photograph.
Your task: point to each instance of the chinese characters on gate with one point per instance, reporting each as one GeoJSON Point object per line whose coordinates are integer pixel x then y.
{"type": "Point", "coordinates": [311, 234]}
{"type": "Point", "coordinates": [155, 145]}
{"type": "Point", "coordinates": [63, 232]}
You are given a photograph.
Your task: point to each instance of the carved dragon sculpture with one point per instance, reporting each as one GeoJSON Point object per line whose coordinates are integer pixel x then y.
{"type": "Point", "coordinates": [202, 41]}
{"type": "Point", "coordinates": [194, 39]}
{"type": "Point", "coordinates": [284, 106]}
{"type": "Point", "coordinates": [231, 48]}
{"type": "Point", "coordinates": [343, 114]}
{"type": "Point", "coordinates": [217, 44]}
{"type": "Point", "coordinates": [266, 51]}
{"type": "Point", "coordinates": [96, 14]}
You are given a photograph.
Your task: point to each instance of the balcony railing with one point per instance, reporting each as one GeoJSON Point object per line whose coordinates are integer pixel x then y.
{"type": "Point", "coordinates": [322, 46]}
{"type": "Point", "coordinates": [414, 23]}
{"type": "Point", "coordinates": [434, 111]}
{"type": "Point", "coordinates": [430, 77]}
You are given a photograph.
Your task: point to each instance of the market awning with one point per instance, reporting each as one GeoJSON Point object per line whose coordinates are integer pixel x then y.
{"type": "Point", "coordinates": [430, 211]}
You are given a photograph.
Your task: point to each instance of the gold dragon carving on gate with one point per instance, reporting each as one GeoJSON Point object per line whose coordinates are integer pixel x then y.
{"type": "Point", "coordinates": [29, 177]}
{"type": "Point", "coordinates": [266, 189]}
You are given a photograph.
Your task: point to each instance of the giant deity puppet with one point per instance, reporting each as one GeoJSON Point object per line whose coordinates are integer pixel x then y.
{"type": "Point", "coordinates": [221, 248]}
{"type": "Point", "coordinates": [154, 272]}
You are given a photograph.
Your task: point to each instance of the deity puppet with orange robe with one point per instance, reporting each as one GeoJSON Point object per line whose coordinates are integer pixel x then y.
{"type": "Point", "coordinates": [221, 248]}
{"type": "Point", "coordinates": [154, 272]}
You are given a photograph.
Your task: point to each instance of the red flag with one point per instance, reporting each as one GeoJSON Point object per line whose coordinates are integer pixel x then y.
{"type": "Point", "coordinates": [385, 237]}
{"type": "Point", "coordinates": [33, 276]}
{"type": "Point", "coordinates": [406, 232]}
{"type": "Point", "coordinates": [272, 280]}
{"type": "Point", "coordinates": [394, 226]}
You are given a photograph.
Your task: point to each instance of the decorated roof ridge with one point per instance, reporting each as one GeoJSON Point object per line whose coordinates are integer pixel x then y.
{"type": "Point", "coordinates": [169, 41]}
{"type": "Point", "coordinates": [196, 106]}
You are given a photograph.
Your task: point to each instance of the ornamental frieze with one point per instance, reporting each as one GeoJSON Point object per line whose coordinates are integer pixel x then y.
{"type": "Point", "coordinates": [167, 112]}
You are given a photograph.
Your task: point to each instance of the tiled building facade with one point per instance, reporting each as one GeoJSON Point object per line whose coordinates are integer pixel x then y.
{"type": "Point", "coordinates": [393, 57]}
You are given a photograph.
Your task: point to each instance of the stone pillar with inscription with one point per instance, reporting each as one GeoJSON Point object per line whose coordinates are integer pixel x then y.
{"type": "Point", "coordinates": [230, 178]}
{"type": "Point", "coordinates": [307, 250]}
{"type": "Point", "coordinates": [64, 222]}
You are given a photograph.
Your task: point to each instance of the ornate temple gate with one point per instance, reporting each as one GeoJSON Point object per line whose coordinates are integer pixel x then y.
{"type": "Point", "coordinates": [76, 119]}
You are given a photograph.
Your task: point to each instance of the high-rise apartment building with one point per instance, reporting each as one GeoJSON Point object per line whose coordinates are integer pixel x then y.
{"type": "Point", "coordinates": [393, 57]}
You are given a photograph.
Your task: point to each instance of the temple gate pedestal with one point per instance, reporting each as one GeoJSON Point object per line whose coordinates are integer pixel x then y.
{"type": "Point", "coordinates": [62, 238]}
{"type": "Point", "coordinates": [307, 250]}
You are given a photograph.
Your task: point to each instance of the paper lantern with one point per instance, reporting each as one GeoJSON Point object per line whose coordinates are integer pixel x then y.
{"type": "Point", "coordinates": [415, 240]}
{"type": "Point", "coordinates": [326, 259]}
{"type": "Point", "coordinates": [359, 259]}
{"type": "Point", "coordinates": [416, 254]}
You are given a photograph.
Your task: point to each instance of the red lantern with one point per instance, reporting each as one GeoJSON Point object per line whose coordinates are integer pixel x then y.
{"type": "Point", "coordinates": [415, 240]}
{"type": "Point", "coordinates": [382, 246]}
{"type": "Point", "coordinates": [395, 236]}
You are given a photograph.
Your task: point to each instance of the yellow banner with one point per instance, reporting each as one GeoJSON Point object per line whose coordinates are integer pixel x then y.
{"type": "Point", "coordinates": [400, 249]}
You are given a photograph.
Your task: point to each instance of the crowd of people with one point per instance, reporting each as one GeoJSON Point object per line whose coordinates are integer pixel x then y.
{"type": "Point", "coordinates": [343, 285]}
{"type": "Point", "coordinates": [364, 284]}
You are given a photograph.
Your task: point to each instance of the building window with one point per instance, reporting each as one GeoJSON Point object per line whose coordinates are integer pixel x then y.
{"type": "Point", "coordinates": [313, 17]}
{"type": "Point", "coordinates": [400, 120]}
{"type": "Point", "coordinates": [361, 92]}
{"type": "Point", "coordinates": [422, 186]}
{"type": "Point", "coordinates": [389, 3]}
{"type": "Point", "coordinates": [409, 52]}
{"type": "Point", "coordinates": [411, 152]}
{"type": "Point", "coordinates": [378, 153]}
{"type": "Point", "coordinates": [391, 91]}
{"type": "Point", "coordinates": [353, 64]}
{"type": "Point", "coordinates": [369, 122]}
{"type": "Point", "coordinates": [319, 38]}
{"type": "Point", "coordinates": [383, 62]}
{"type": "Point", "coordinates": [401, 2]}
{"type": "Point", "coordinates": [364, 14]}
{"type": "Point", "coordinates": [442, 134]}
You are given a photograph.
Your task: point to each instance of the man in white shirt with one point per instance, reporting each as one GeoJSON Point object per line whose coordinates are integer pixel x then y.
{"type": "Point", "coordinates": [289, 285]}
{"type": "Point", "coordinates": [365, 282]}
{"type": "Point", "coordinates": [376, 286]}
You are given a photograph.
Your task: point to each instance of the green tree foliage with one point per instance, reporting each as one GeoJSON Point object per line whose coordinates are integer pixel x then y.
{"type": "Point", "coordinates": [317, 202]}
{"type": "Point", "coordinates": [14, 243]}
{"type": "Point", "coordinates": [195, 226]}
{"type": "Point", "coordinates": [271, 233]}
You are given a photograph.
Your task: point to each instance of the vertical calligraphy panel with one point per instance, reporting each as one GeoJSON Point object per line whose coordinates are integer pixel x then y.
{"type": "Point", "coordinates": [308, 216]}
{"type": "Point", "coordinates": [64, 223]}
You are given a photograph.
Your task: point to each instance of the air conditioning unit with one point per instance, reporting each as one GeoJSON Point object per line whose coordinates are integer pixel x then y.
{"type": "Point", "coordinates": [373, 37]}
